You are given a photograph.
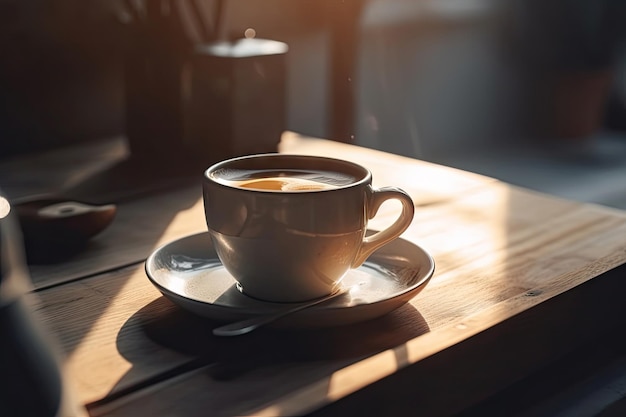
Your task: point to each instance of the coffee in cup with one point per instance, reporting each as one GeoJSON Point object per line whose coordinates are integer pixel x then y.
{"type": "Point", "coordinates": [284, 180]}
{"type": "Point", "coordinates": [289, 227]}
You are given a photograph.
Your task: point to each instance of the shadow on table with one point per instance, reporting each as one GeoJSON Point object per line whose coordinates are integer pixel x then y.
{"type": "Point", "coordinates": [100, 175]}
{"type": "Point", "coordinates": [135, 177]}
{"type": "Point", "coordinates": [185, 333]}
{"type": "Point", "coordinates": [144, 214]}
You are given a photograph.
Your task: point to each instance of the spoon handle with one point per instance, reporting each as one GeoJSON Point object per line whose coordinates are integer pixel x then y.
{"type": "Point", "coordinates": [246, 326]}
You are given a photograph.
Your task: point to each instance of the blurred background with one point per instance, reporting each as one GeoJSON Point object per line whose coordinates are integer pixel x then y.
{"type": "Point", "coordinates": [524, 91]}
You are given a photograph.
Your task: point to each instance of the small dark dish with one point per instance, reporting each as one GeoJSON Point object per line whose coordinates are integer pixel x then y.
{"type": "Point", "coordinates": [55, 228]}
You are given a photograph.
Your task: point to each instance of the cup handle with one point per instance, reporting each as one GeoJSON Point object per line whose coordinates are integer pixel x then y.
{"type": "Point", "coordinates": [375, 241]}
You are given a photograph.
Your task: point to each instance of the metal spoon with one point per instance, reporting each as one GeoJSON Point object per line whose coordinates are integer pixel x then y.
{"type": "Point", "coordinates": [246, 326]}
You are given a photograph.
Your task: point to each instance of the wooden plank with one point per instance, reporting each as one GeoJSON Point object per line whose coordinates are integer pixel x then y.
{"type": "Point", "coordinates": [439, 373]}
{"type": "Point", "coordinates": [116, 331]}
{"type": "Point", "coordinates": [100, 325]}
{"type": "Point", "coordinates": [502, 251]}
{"type": "Point", "coordinates": [428, 183]}
{"type": "Point", "coordinates": [464, 374]}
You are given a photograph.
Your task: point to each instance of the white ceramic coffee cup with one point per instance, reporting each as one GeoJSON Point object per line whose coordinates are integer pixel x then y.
{"type": "Point", "coordinates": [293, 246]}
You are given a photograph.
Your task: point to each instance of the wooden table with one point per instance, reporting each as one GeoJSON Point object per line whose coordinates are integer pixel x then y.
{"type": "Point", "coordinates": [521, 279]}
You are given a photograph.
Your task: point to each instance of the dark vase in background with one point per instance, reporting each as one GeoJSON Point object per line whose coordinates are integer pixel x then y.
{"type": "Point", "coordinates": [31, 379]}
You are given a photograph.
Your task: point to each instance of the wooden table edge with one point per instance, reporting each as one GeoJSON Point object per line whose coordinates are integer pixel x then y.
{"type": "Point", "coordinates": [378, 370]}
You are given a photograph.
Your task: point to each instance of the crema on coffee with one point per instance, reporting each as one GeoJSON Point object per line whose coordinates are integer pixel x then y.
{"type": "Point", "coordinates": [283, 180]}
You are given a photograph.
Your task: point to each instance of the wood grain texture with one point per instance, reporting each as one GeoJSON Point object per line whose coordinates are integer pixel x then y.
{"type": "Point", "coordinates": [513, 271]}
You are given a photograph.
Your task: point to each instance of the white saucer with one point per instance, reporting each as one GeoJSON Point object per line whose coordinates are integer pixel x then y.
{"type": "Point", "coordinates": [189, 273]}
